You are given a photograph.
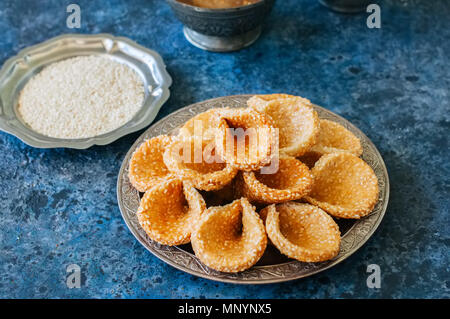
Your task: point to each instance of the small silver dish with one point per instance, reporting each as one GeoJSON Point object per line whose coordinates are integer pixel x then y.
{"type": "Point", "coordinates": [272, 267]}
{"type": "Point", "coordinates": [18, 70]}
{"type": "Point", "coordinates": [222, 30]}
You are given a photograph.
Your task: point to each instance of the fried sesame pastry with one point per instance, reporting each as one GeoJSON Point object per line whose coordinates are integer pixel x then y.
{"type": "Point", "coordinates": [220, 197]}
{"type": "Point", "coordinates": [334, 138]}
{"type": "Point", "coordinates": [260, 101]}
{"type": "Point", "coordinates": [297, 122]}
{"type": "Point", "coordinates": [309, 158]}
{"type": "Point", "coordinates": [194, 159]}
{"type": "Point", "coordinates": [230, 238]}
{"type": "Point", "coordinates": [245, 138]}
{"type": "Point", "coordinates": [170, 210]}
{"type": "Point", "coordinates": [202, 125]}
{"type": "Point", "coordinates": [344, 186]}
{"type": "Point", "coordinates": [262, 212]}
{"type": "Point", "coordinates": [291, 181]}
{"type": "Point", "coordinates": [146, 165]}
{"type": "Point", "coordinates": [302, 231]}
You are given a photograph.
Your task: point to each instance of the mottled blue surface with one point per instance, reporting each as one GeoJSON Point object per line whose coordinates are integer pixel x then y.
{"type": "Point", "coordinates": [59, 207]}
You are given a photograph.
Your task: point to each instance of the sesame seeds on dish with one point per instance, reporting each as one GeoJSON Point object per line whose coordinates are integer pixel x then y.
{"type": "Point", "coordinates": [81, 97]}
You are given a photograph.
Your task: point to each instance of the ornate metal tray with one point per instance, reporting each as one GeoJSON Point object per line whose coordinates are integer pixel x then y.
{"type": "Point", "coordinates": [272, 267]}
{"type": "Point", "coordinates": [16, 72]}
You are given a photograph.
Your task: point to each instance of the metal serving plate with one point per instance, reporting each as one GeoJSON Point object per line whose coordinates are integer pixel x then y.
{"type": "Point", "coordinates": [273, 267]}
{"type": "Point", "coordinates": [19, 69]}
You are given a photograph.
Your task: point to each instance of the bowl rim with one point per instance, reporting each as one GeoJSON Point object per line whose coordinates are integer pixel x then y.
{"type": "Point", "coordinates": [224, 10]}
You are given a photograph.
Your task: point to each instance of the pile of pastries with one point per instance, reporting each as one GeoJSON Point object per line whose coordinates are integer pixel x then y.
{"type": "Point", "coordinates": [231, 181]}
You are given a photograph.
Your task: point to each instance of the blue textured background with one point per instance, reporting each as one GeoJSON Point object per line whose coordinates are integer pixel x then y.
{"type": "Point", "coordinates": [58, 207]}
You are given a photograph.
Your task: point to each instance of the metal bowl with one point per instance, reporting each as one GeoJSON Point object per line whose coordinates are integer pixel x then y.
{"type": "Point", "coordinates": [346, 6]}
{"type": "Point", "coordinates": [18, 70]}
{"type": "Point", "coordinates": [222, 30]}
{"type": "Point", "coordinates": [272, 267]}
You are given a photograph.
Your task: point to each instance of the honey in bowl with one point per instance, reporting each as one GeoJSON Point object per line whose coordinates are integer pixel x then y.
{"type": "Point", "coordinates": [219, 4]}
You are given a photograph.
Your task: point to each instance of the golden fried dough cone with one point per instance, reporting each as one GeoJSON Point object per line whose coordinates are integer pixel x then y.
{"type": "Point", "coordinates": [263, 213]}
{"type": "Point", "coordinates": [260, 101]}
{"type": "Point", "coordinates": [344, 186]}
{"type": "Point", "coordinates": [230, 238]}
{"type": "Point", "coordinates": [309, 159]}
{"type": "Point", "coordinates": [334, 138]}
{"type": "Point", "coordinates": [146, 165]}
{"type": "Point", "coordinates": [302, 231]}
{"type": "Point", "coordinates": [202, 125]}
{"type": "Point", "coordinates": [170, 210]}
{"type": "Point", "coordinates": [201, 166]}
{"type": "Point", "coordinates": [291, 181]}
{"type": "Point", "coordinates": [297, 122]}
{"type": "Point", "coordinates": [219, 197]}
{"type": "Point", "coordinates": [245, 138]}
